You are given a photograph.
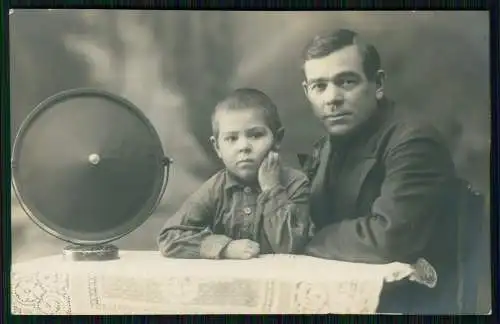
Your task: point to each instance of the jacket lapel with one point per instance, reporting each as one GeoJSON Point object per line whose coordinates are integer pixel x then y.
{"type": "Point", "coordinates": [356, 174]}
{"type": "Point", "coordinates": [361, 159]}
{"type": "Point", "coordinates": [317, 172]}
{"type": "Point", "coordinates": [320, 159]}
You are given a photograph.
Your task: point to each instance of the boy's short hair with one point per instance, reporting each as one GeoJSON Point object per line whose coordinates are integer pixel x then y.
{"type": "Point", "coordinates": [244, 98]}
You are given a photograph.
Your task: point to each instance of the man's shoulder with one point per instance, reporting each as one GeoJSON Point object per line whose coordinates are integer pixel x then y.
{"type": "Point", "coordinates": [403, 128]}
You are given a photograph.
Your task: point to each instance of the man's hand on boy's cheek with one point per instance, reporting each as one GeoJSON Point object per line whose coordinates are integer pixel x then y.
{"type": "Point", "coordinates": [241, 249]}
{"type": "Point", "coordinates": [269, 171]}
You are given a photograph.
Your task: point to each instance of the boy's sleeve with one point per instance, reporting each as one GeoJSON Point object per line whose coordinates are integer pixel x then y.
{"type": "Point", "coordinates": [188, 233]}
{"type": "Point", "coordinates": [286, 223]}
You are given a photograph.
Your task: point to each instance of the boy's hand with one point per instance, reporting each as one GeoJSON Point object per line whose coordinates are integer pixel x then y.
{"type": "Point", "coordinates": [241, 249]}
{"type": "Point", "coordinates": [269, 171]}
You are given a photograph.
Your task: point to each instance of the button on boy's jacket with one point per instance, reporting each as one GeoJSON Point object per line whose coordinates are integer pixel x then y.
{"type": "Point", "coordinates": [222, 210]}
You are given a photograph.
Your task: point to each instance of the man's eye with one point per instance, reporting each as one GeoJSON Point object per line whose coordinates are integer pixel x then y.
{"type": "Point", "coordinates": [230, 138]}
{"type": "Point", "coordinates": [318, 86]}
{"type": "Point", "coordinates": [348, 83]}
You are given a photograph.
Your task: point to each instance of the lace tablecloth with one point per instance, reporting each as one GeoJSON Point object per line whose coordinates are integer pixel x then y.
{"type": "Point", "coordinates": [143, 282]}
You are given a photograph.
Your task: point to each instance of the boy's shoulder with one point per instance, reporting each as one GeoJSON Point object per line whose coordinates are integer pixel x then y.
{"type": "Point", "coordinates": [216, 180]}
{"type": "Point", "coordinates": [292, 175]}
{"type": "Point", "coordinates": [212, 184]}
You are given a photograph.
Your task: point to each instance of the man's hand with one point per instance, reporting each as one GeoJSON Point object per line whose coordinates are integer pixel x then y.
{"type": "Point", "coordinates": [241, 249]}
{"type": "Point", "coordinates": [269, 171]}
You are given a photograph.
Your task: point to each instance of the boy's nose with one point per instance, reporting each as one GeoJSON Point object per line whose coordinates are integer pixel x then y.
{"type": "Point", "coordinates": [243, 144]}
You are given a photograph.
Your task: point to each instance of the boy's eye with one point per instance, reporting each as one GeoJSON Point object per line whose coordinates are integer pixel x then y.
{"type": "Point", "coordinates": [255, 135]}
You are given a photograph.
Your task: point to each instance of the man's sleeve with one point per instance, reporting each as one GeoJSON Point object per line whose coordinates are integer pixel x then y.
{"type": "Point", "coordinates": [418, 170]}
{"type": "Point", "coordinates": [285, 222]}
{"type": "Point", "coordinates": [188, 233]}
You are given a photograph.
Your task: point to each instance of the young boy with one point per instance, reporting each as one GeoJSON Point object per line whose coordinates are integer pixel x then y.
{"type": "Point", "coordinates": [253, 206]}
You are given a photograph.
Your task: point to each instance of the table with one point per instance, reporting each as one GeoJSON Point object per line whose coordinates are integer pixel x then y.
{"type": "Point", "coordinates": [144, 282]}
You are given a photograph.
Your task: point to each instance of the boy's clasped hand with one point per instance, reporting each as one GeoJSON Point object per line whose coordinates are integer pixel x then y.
{"type": "Point", "coordinates": [241, 249]}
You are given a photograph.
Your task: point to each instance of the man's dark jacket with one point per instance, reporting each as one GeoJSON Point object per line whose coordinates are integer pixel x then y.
{"type": "Point", "coordinates": [384, 194]}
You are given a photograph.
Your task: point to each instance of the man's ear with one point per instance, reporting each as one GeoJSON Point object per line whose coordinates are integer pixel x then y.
{"type": "Point", "coordinates": [304, 87]}
{"type": "Point", "coordinates": [215, 145]}
{"type": "Point", "coordinates": [380, 82]}
{"type": "Point", "coordinates": [278, 138]}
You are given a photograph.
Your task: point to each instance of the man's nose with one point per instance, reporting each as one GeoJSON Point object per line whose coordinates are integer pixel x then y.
{"type": "Point", "coordinates": [333, 95]}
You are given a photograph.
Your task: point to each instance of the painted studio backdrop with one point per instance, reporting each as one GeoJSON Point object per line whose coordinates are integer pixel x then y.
{"type": "Point", "coordinates": [176, 65]}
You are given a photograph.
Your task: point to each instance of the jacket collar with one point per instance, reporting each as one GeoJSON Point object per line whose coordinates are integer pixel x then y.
{"type": "Point", "coordinates": [232, 182]}
{"type": "Point", "coordinates": [363, 142]}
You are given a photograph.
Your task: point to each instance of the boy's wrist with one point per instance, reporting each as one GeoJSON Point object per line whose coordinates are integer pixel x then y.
{"type": "Point", "coordinates": [269, 187]}
{"type": "Point", "coordinates": [269, 193]}
{"type": "Point", "coordinates": [213, 246]}
{"type": "Point", "coordinates": [224, 252]}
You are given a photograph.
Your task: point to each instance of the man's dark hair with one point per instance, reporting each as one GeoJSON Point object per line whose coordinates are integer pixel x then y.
{"type": "Point", "coordinates": [324, 44]}
{"type": "Point", "coordinates": [245, 98]}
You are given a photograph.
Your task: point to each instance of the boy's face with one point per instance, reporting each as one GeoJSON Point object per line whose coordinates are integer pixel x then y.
{"type": "Point", "coordinates": [243, 141]}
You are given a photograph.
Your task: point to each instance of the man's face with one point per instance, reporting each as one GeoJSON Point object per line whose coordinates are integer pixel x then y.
{"type": "Point", "coordinates": [243, 141]}
{"type": "Point", "coordinates": [341, 96]}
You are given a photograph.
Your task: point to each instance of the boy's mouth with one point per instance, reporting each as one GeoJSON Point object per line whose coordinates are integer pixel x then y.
{"type": "Point", "coordinates": [245, 162]}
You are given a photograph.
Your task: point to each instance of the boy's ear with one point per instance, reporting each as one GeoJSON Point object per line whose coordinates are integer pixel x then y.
{"type": "Point", "coordinates": [280, 133]}
{"type": "Point", "coordinates": [215, 145]}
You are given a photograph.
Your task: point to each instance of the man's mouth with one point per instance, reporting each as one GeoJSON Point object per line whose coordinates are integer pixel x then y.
{"type": "Point", "coordinates": [337, 116]}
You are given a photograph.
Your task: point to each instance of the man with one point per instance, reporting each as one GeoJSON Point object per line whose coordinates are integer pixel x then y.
{"type": "Point", "coordinates": [381, 183]}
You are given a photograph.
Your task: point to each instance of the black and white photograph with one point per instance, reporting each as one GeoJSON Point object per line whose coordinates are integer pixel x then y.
{"type": "Point", "coordinates": [250, 162]}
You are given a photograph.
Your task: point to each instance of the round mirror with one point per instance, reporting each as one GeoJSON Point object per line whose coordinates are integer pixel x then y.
{"type": "Point", "coordinates": [88, 167]}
